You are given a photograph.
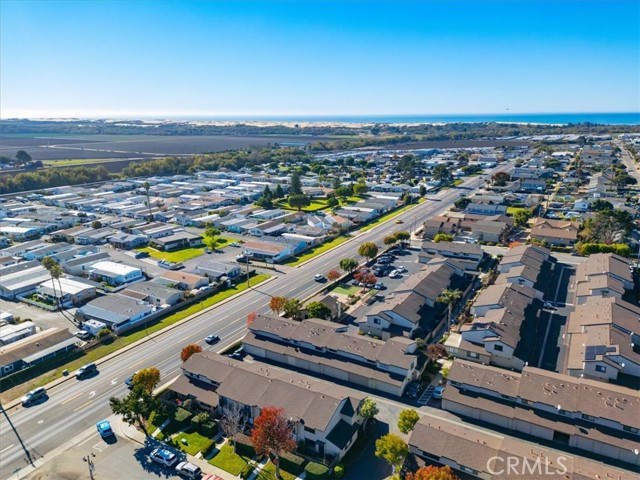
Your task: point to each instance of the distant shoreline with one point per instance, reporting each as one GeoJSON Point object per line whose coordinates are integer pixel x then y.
{"type": "Point", "coordinates": [363, 121]}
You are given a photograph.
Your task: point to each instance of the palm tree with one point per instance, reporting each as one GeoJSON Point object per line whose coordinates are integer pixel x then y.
{"type": "Point", "coordinates": [55, 270]}
{"type": "Point", "coordinates": [450, 297]}
{"type": "Point", "coordinates": [146, 189]}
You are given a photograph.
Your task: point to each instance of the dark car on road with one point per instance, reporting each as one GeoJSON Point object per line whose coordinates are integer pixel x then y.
{"type": "Point", "coordinates": [211, 339]}
{"type": "Point", "coordinates": [87, 370]}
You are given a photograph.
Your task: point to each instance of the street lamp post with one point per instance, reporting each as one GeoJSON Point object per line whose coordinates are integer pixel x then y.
{"type": "Point", "coordinates": [90, 463]}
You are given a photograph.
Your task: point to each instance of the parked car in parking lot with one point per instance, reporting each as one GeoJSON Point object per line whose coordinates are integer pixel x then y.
{"type": "Point", "coordinates": [412, 390]}
{"type": "Point", "coordinates": [141, 255]}
{"type": "Point", "coordinates": [164, 456]}
{"type": "Point", "coordinates": [438, 392]}
{"type": "Point", "coordinates": [83, 334]}
{"type": "Point", "coordinates": [395, 274]}
{"type": "Point", "coordinates": [401, 269]}
{"type": "Point", "coordinates": [379, 286]}
{"type": "Point", "coordinates": [242, 259]}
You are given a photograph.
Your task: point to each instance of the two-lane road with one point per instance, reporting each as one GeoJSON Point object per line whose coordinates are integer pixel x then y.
{"type": "Point", "coordinates": [75, 405]}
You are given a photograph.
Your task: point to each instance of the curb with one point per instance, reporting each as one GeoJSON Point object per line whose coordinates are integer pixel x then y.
{"type": "Point", "coordinates": [59, 381]}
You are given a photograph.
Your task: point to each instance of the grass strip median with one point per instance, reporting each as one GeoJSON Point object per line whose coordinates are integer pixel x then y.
{"type": "Point", "coordinates": [316, 251]}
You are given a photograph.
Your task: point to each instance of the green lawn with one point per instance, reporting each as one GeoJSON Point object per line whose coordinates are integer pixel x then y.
{"type": "Point", "coordinates": [351, 200]}
{"type": "Point", "coordinates": [316, 251]}
{"type": "Point", "coordinates": [229, 461]}
{"type": "Point", "coordinates": [513, 210]}
{"type": "Point", "coordinates": [457, 182]}
{"type": "Point", "coordinates": [28, 382]}
{"type": "Point", "coordinates": [195, 443]}
{"type": "Point", "coordinates": [386, 217]}
{"type": "Point", "coordinates": [269, 473]}
{"type": "Point", "coordinates": [177, 256]}
{"type": "Point", "coordinates": [316, 204]}
{"type": "Point", "coordinates": [343, 289]}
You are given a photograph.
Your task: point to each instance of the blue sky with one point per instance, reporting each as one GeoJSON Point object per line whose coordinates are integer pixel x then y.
{"type": "Point", "coordinates": [186, 58]}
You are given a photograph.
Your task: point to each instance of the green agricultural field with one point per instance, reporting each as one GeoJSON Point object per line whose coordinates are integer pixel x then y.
{"type": "Point", "coordinates": [316, 251]}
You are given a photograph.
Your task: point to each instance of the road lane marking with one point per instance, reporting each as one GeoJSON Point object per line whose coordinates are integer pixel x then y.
{"type": "Point", "coordinates": [87, 439]}
{"type": "Point", "coordinates": [5, 449]}
{"type": "Point", "coordinates": [72, 398]}
{"type": "Point", "coordinates": [92, 393]}
{"type": "Point", "coordinates": [83, 405]}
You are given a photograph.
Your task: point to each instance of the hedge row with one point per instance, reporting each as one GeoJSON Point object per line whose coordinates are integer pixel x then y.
{"type": "Point", "coordinates": [292, 463]}
{"type": "Point", "coordinates": [316, 471]}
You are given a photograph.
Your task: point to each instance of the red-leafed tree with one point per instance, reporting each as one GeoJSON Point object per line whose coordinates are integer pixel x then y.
{"type": "Point", "coordinates": [251, 316]}
{"type": "Point", "coordinates": [189, 350]}
{"type": "Point", "coordinates": [333, 275]}
{"type": "Point", "coordinates": [272, 435]}
{"type": "Point", "coordinates": [276, 304]}
{"type": "Point", "coordinates": [367, 278]}
{"type": "Point", "coordinates": [431, 472]}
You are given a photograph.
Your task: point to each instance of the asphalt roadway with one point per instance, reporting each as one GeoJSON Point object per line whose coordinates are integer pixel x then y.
{"type": "Point", "coordinates": [29, 434]}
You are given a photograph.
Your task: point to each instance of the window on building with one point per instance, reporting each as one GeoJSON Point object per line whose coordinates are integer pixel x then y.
{"type": "Point", "coordinates": [473, 355]}
{"type": "Point", "coordinates": [309, 430]}
{"type": "Point", "coordinates": [626, 428]}
{"type": "Point", "coordinates": [588, 417]}
{"type": "Point", "coordinates": [498, 348]}
{"type": "Point", "coordinates": [468, 470]}
{"type": "Point", "coordinates": [601, 368]}
{"type": "Point", "coordinates": [376, 320]}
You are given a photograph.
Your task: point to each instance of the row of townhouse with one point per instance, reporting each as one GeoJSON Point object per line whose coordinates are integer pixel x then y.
{"type": "Point", "coordinates": [506, 313]}
{"type": "Point", "coordinates": [325, 417]}
{"type": "Point", "coordinates": [485, 228]}
{"type": "Point", "coordinates": [587, 417]}
{"type": "Point", "coordinates": [554, 232]}
{"type": "Point", "coordinates": [412, 308]}
{"type": "Point", "coordinates": [446, 439]}
{"type": "Point", "coordinates": [329, 349]}
{"type": "Point", "coordinates": [603, 331]}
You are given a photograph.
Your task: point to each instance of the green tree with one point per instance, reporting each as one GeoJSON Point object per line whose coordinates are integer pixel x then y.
{"type": "Point", "coordinates": [344, 191]}
{"type": "Point", "coordinates": [279, 193]}
{"type": "Point", "coordinates": [450, 298]}
{"type": "Point", "coordinates": [521, 218]}
{"type": "Point", "coordinates": [368, 250]}
{"type": "Point", "coordinates": [443, 237]}
{"type": "Point", "coordinates": [442, 173]}
{"type": "Point", "coordinates": [333, 202]}
{"type": "Point", "coordinates": [608, 226]}
{"type": "Point", "coordinates": [500, 179]}
{"type": "Point", "coordinates": [23, 157]}
{"type": "Point", "coordinates": [369, 410]}
{"type": "Point", "coordinates": [402, 236]}
{"type": "Point", "coordinates": [318, 310]}
{"type": "Point", "coordinates": [299, 201]}
{"type": "Point", "coordinates": [211, 236]}
{"type": "Point", "coordinates": [600, 204]}
{"type": "Point", "coordinates": [359, 188]}
{"type": "Point", "coordinates": [96, 224]}
{"type": "Point", "coordinates": [296, 185]}
{"type": "Point", "coordinates": [292, 307]}
{"type": "Point", "coordinates": [423, 190]}
{"type": "Point", "coordinates": [407, 420]}
{"type": "Point", "coordinates": [348, 264]}
{"type": "Point", "coordinates": [393, 450]}
{"type": "Point", "coordinates": [389, 240]}
{"type": "Point", "coordinates": [136, 407]}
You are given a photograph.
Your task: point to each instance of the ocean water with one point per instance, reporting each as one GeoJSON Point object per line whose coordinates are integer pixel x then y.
{"type": "Point", "coordinates": [630, 118]}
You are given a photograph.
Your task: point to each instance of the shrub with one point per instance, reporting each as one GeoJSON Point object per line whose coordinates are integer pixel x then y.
{"type": "Point", "coordinates": [244, 445]}
{"type": "Point", "coordinates": [316, 471]}
{"type": "Point", "coordinates": [182, 415]}
{"type": "Point", "coordinates": [338, 471]}
{"type": "Point", "coordinates": [103, 332]}
{"type": "Point", "coordinates": [292, 463]}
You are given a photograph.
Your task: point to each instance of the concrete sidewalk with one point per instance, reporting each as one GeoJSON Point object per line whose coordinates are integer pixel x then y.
{"type": "Point", "coordinates": [134, 435]}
